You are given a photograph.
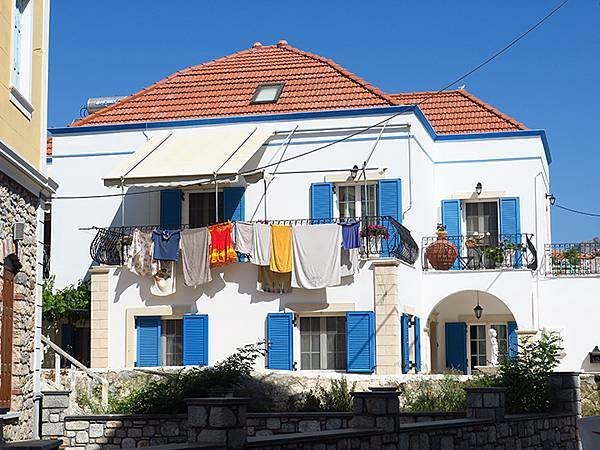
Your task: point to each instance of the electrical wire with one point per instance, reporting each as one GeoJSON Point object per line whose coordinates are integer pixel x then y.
{"type": "Point", "coordinates": [363, 130]}
{"type": "Point", "coordinates": [576, 211]}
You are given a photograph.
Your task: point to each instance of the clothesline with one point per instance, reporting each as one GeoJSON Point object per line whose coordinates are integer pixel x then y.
{"type": "Point", "coordinates": [312, 256]}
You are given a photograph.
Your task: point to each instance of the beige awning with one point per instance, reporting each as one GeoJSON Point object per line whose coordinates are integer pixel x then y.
{"type": "Point", "coordinates": [188, 157]}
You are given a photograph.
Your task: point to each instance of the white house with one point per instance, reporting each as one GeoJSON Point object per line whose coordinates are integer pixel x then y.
{"type": "Point", "coordinates": [278, 135]}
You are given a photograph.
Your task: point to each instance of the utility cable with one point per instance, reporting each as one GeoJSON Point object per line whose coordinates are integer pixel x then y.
{"type": "Point", "coordinates": [576, 211]}
{"type": "Point", "coordinates": [375, 125]}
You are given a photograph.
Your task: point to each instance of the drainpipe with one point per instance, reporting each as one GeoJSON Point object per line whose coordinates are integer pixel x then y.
{"type": "Point", "coordinates": [409, 175]}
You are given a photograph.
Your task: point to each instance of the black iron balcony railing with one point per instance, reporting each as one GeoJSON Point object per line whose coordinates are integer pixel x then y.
{"type": "Point", "coordinates": [479, 252]}
{"type": "Point", "coordinates": [575, 259]}
{"type": "Point", "coordinates": [381, 237]}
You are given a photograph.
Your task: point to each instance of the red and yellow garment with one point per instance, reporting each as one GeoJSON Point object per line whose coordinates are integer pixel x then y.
{"type": "Point", "coordinates": [221, 244]}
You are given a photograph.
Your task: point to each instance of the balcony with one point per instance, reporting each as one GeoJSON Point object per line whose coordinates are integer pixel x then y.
{"type": "Point", "coordinates": [381, 237]}
{"type": "Point", "coordinates": [574, 259]}
{"type": "Point", "coordinates": [482, 252]}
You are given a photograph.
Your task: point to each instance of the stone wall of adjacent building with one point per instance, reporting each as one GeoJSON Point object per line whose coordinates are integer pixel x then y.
{"type": "Point", "coordinates": [18, 205]}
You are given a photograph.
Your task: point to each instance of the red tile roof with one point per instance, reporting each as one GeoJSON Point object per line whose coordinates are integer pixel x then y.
{"type": "Point", "coordinates": [458, 111]}
{"type": "Point", "coordinates": [224, 87]}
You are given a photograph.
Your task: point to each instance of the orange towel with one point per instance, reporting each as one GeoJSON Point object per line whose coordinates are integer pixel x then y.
{"type": "Point", "coordinates": [221, 244]}
{"type": "Point", "coordinates": [281, 248]}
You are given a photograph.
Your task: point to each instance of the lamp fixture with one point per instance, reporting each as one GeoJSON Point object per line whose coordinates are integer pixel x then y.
{"type": "Point", "coordinates": [354, 172]}
{"type": "Point", "coordinates": [551, 198]}
{"type": "Point", "coordinates": [478, 309]}
{"type": "Point", "coordinates": [595, 355]}
{"type": "Point", "coordinates": [478, 188]}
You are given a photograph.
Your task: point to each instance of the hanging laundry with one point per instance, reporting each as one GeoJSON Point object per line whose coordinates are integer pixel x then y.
{"type": "Point", "coordinates": [351, 234]}
{"type": "Point", "coordinates": [164, 282]}
{"type": "Point", "coordinates": [139, 256]}
{"type": "Point", "coordinates": [281, 248]}
{"type": "Point", "coordinates": [317, 257]}
{"type": "Point", "coordinates": [243, 237]}
{"type": "Point", "coordinates": [166, 244]}
{"type": "Point", "coordinates": [349, 262]}
{"type": "Point", "coordinates": [261, 244]}
{"type": "Point", "coordinates": [195, 257]}
{"type": "Point", "coordinates": [221, 244]}
{"type": "Point", "coordinates": [273, 282]}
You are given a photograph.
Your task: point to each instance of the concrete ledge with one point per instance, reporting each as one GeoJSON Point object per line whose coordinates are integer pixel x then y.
{"type": "Point", "coordinates": [34, 445]}
{"type": "Point", "coordinates": [308, 415]}
{"type": "Point", "coordinates": [440, 424]}
{"type": "Point", "coordinates": [101, 417]}
{"type": "Point", "coordinates": [296, 438]}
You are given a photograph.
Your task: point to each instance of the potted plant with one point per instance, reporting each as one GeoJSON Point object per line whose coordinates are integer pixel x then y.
{"type": "Point", "coordinates": [494, 256]}
{"type": "Point", "coordinates": [374, 234]}
{"type": "Point", "coordinates": [442, 253]}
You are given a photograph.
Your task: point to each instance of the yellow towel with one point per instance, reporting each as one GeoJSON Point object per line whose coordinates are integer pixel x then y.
{"type": "Point", "coordinates": [281, 248]}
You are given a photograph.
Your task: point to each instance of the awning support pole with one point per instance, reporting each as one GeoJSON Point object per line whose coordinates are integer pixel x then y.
{"type": "Point", "coordinates": [122, 202]}
{"type": "Point", "coordinates": [216, 199]}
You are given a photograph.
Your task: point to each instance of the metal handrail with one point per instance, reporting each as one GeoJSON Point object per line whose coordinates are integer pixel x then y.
{"type": "Point", "coordinates": [573, 259]}
{"type": "Point", "coordinates": [59, 352]}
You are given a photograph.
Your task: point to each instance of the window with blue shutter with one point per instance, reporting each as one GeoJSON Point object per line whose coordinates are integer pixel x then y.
{"type": "Point", "coordinates": [148, 341]}
{"type": "Point", "coordinates": [280, 341]}
{"type": "Point", "coordinates": [456, 346]}
{"type": "Point", "coordinates": [510, 224]}
{"type": "Point", "coordinates": [321, 201]}
{"type": "Point", "coordinates": [195, 340]}
{"type": "Point", "coordinates": [360, 342]}
{"type": "Point", "coordinates": [170, 209]}
{"type": "Point", "coordinates": [513, 339]}
{"type": "Point", "coordinates": [234, 204]}
{"type": "Point", "coordinates": [405, 343]}
{"type": "Point", "coordinates": [451, 220]}
{"type": "Point", "coordinates": [389, 203]}
{"type": "Point", "coordinates": [417, 337]}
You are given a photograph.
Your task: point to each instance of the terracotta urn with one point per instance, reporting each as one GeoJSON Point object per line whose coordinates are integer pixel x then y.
{"type": "Point", "coordinates": [441, 254]}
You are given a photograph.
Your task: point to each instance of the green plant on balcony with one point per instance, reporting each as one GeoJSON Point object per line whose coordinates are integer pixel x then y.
{"type": "Point", "coordinates": [494, 255]}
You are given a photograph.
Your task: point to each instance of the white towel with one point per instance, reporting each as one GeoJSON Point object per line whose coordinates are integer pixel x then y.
{"type": "Point", "coordinates": [261, 244]}
{"type": "Point", "coordinates": [164, 282]}
{"type": "Point", "coordinates": [349, 262]}
{"type": "Point", "coordinates": [244, 232]}
{"type": "Point", "coordinates": [316, 256]}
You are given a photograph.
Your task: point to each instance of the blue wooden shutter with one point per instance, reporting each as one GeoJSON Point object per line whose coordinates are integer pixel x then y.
{"type": "Point", "coordinates": [321, 201]}
{"type": "Point", "coordinates": [417, 334]}
{"type": "Point", "coordinates": [510, 223]}
{"type": "Point", "coordinates": [405, 344]}
{"type": "Point", "coordinates": [280, 341]}
{"type": "Point", "coordinates": [513, 339]}
{"type": "Point", "coordinates": [170, 209]}
{"type": "Point", "coordinates": [234, 203]}
{"type": "Point", "coordinates": [456, 346]}
{"type": "Point", "coordinates": [195, 340]}
{"type": "Point", "coordinates": [360, 342]}
{"type": "Point", "coordinates": [390, 198]}
{"type": "Point", "coordinates": [451, 219]}
{"type": "Point", "coordinates": [148, 341]}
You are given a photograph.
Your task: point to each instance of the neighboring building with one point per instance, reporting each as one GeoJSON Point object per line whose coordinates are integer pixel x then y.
{"type": "Point", "coordinates": [24, 191]}
{"type": "Point", "coordinates": [430, 158]}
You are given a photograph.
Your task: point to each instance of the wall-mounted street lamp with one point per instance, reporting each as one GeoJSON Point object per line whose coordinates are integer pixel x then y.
{"type": "Point", "coordinates": [551, 198]}
{"type": "Point", "coordinates": [354, 172]}
{"type": "Point", "coordinates": [478, 188]}
{"type": "Point", "coordinates": [595, 355]}
{"type": "Point", "coordinates": [478, 310]}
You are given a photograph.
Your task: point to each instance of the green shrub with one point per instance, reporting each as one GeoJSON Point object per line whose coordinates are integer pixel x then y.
{"type": "Point", "coordinates": [71, 302]}
{"type": "Point", "coordinates": [168, 394]}
{"type": "Point", "coordinates": [334, 398]}
{"type": "Point", "coordinates": [445, 395]}
{"type": "Point", "coordinates": [526, 375]}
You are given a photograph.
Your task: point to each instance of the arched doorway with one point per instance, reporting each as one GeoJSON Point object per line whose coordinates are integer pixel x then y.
{"type": "Point", "coordinates": [459, 341]}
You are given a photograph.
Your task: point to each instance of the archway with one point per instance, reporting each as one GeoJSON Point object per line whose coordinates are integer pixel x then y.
{"type": "Point", "coordinates": [459, 340]}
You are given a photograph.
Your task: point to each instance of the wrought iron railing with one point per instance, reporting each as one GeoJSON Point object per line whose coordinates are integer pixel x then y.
{"type": "Point", "coordinates": [481, 252]}
{"type": "Point", "coordinates": [381, 237]}
{"type": "Point", "coordinates": [574, 259]}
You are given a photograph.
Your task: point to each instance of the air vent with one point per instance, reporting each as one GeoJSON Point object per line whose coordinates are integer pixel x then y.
{"type": "Point", "coordinates": [18, 231]}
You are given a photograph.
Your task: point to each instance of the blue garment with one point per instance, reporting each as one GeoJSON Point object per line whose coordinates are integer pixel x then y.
{"type": "Point", "coordinates": [350, 235]}
{"type": "Point", "coordinates": [166, 244]}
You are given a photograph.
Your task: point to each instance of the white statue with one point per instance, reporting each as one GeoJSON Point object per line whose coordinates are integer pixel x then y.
{"type": "Point", "coordinates": [494, 347]}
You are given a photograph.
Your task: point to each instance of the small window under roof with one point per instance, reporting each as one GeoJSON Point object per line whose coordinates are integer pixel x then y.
{"type": "Point", "coordinates": [267, 93]}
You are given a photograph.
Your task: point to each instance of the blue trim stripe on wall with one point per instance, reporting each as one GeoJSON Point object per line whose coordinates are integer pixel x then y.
{"type": "Point", "coordinates": [307, 115]}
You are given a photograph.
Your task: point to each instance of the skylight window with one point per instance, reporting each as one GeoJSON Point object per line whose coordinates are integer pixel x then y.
{"type": "Point", "coordinates": [267, 93]}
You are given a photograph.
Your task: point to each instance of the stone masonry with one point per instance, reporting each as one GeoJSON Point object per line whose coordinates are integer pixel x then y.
{"type": "Point", "coordinates": [18, 205]}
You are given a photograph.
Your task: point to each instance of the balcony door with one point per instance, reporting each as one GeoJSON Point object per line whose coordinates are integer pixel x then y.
{"type": "Point", "coordinates": [481, 218]}
{"type": "Point", "coordinates": [201, 208]}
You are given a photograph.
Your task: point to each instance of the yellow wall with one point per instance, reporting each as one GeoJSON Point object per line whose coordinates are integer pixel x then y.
{"type": "Point", "coordinates": [16, 130]}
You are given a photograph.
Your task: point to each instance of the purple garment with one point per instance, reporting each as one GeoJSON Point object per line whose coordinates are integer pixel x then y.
{"type": "Point", "coordinates": [350, 235]}
{"type": "Point", "coordinates": [166, 244]}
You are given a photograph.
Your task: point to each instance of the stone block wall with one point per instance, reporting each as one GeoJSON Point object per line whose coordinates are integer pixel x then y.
{"type": "Point", "coordinates": [19, 205]}
{"type": "Point", "coordinates": [268, 424]}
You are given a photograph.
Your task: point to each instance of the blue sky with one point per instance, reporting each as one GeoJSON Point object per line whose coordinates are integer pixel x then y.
{"type": "Point", "coordinates": [549, 80]}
